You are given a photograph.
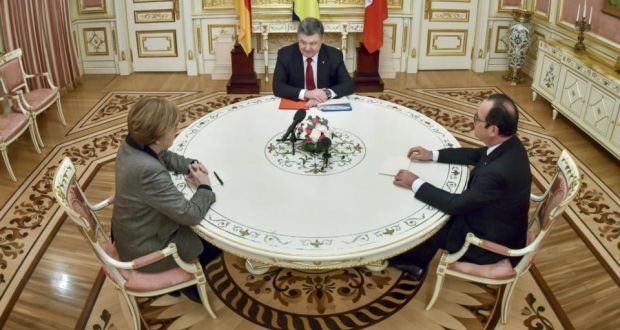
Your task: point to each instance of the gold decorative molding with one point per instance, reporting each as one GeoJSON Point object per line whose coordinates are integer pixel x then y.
{"type": "Point", "coordinates": [85, 10]}
{"type": "Point", "coordinates": [284, 4]}
{"type": "Point", "coordinates": [434, 36]}
{"type": "Point", "coordinates": [169, 36]}
{"type": "Point", "coordinates": [414, 53]}
{"type": "Point", "coordinates": [499, 40]}
{"type": "Point", "coordinates": [190, 55]}
{"type": "Point", "coordinates": [153, 16]}
{"type": "Point", "coordinates": [394, 28]}
{"type": "Point", "coordinates": [541, 14]}
{"type": "Point", "coordinates": [123, 57]}
{"type": "Point", "coordinates": [449, 15]}
{"type": "Point", "coordinates": [95, 41]}
{"type": "Point", "coordinates": [405, 42]}
{"type": "Point", "coordinates": [502, 8]}
{"type": "Point", "coordinates": [222, 27]}
{"type": "Point", "coordinates": [278, 40]}
{"type": "Point", "coordinates": [199, 39]}
{"type": "Point", "coordinates": [114, 46]}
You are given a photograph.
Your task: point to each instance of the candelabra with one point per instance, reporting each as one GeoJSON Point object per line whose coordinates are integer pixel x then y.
{"type": "Point", "coordinates": [581, 25]}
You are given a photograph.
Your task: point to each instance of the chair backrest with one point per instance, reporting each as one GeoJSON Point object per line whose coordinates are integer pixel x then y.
{"type": "Point", "coordinates": [561, 191]}
{"type": "Point", "coordinates": [12, 71]}
{"type": "Point", "coordinates": [72, 199]}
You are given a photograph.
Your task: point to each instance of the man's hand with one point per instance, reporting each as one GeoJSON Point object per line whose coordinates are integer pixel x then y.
{"type": "Point", "coordinates": [198, 174]}
{"type": "Point", "coordinates": [316, 94]}
{"type": "Point", "coordinates": [312, 103]}
{"type": "Point", "coordinates": [419, 153]}
{"type": "Point", "coordinates": [405, 179]}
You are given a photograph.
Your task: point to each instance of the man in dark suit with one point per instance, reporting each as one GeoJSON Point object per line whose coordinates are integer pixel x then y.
{"type": "Point", "coordinates": [310, 70]}
{"type": "Point", "coordinates": [495, 204]}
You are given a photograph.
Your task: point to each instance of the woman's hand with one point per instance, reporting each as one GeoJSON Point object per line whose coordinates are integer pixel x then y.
{"type": "Point", "coordinates": [198, 174]}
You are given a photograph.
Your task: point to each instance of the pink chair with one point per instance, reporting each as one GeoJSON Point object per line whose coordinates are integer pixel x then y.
{"type": "Point", "coordinates": [12, 126]}
{"type": "Point", "coordinates": [130, 282]}
{"type": "Point", "coordinates": [13, 81]}
{"type": "Point", "coordinates": [561, 191]}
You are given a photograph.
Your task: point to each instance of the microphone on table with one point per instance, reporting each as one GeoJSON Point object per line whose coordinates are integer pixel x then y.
{"type": "Point", "coordinates": [299, 116]}
{"type": "Point", "coordinates": [323, 146]}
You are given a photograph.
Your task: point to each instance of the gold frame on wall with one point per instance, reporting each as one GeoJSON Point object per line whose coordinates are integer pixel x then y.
{"type": "Point", "coordinates": [86, 42]}
{"type": "Point", "coordinates": [463, 40]}
{"type": "Point", "coordinates": [541, 14]}
{"type": "Point", "coordinates": [173, 43]}
{"type": "Point", "coordinates": [498, 39]}
{"type": "Point", "coordinates": [508, 9]}
{"type": "Point", "coordinates": [91, 10]}
{"type": "Point", "coordinates": [610, 9]}
{"type": "Point", "coordinates": [137, 12]}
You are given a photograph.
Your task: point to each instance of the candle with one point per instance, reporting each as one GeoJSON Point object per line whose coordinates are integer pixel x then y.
{"type": "Point", "coordinates": [578, 9]}
{"type": "Point", "coordinates": [585, 8]}
{"type": "Point", "coordinates": [590, 19]}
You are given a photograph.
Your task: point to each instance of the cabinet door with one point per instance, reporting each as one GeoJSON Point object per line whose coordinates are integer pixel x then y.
{"type": "Point", "coordinates": [573, 97]}
{"type": "Point", "coordinates": [600, 112]}
{"type": "Point", "coordinates": [546, 80]}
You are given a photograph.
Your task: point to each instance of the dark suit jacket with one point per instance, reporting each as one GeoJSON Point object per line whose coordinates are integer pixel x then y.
{"type": "Point", "coordinates": [289, 80]}
{"type": "Point", "coordinates": [150, 212]}
{"type": "Point", "coordinates": [495, 204]}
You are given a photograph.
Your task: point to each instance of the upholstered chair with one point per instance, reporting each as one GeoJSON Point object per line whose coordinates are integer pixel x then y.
{"type": "Point", "coordinates": [551, 205]}
{"type": "Point", "coordinates": [13, 81]}
{"type": "Point", "coordinates": [128, 280]}
{"type": "Point", "coordinates": [12, 126]}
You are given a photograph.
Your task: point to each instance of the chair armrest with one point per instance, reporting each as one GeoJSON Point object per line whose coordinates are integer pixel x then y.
{"type": "Point", "coordinates": [148, 259]}
{"type": "Point", "coordinates": [20, 101]}
{"type": "Point", "coordinates": [102, 204]}
{"type": "Point", "coordinates": [42, 74]}
{"type": "Point", "coordinates": [489, 246]}
{"type": "Point", "coordinates": [498, 248]}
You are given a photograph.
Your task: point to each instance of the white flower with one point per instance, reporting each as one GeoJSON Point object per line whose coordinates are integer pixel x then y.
{"type": "Point", "coordinates": [315, 135]}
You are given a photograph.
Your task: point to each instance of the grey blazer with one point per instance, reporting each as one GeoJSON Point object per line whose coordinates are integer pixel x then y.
{"type": "Point", "coordinates": [149, 211]}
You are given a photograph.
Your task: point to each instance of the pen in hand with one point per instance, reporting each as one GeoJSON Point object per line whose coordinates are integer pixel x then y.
{"type": "Point", "coordinates": [218, 178]}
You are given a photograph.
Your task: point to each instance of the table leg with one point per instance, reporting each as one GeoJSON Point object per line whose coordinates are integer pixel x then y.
{"type": "Point", "coordinates": [256, 268]}
{"type": "Point", "coordinates": [377, 266]}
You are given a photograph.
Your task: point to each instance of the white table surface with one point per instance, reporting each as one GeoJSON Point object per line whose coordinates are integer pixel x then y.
{"type": "Point", "coordinates": [278, 209]}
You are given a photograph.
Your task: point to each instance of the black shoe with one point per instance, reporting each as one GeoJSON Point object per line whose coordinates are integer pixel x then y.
{"type": "Point", "coordinates": [410, 271]}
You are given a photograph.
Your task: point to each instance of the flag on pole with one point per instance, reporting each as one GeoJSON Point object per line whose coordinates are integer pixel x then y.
{"type": "Point", "coordinates": [376, 12]}
{"type": "Point", "coordinates": [305, 8]}
{"type": "Point", "coordinates": [245, 24]}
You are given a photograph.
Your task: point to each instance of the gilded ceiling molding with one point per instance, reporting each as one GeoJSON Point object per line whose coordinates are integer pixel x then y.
{"type": "Point", "coordinates": [275, 4]}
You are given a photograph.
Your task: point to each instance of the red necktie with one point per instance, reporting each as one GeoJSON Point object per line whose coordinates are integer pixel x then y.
{"type": "Point", "coordinates": [309, 75]}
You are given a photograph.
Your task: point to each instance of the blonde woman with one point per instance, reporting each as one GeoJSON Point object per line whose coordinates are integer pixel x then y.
{"type": "Point", "coordinates": [149, 211]}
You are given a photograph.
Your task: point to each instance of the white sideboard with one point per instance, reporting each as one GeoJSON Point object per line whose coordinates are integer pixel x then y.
{"type": "Point", "coordinates": [581, 88]}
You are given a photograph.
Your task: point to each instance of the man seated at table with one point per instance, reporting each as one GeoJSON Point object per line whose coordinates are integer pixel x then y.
{"type": "Point", "coordinates": [310, 70]}
{"type": "Point", "coordinates": [495, 204]}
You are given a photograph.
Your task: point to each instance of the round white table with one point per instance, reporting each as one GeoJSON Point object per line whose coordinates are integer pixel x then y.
{"type": "Point", "coordinates": [276, 209]}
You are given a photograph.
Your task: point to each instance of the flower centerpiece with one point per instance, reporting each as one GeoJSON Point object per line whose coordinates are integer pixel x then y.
{"type": "Point", "coordinates": [312, 130]}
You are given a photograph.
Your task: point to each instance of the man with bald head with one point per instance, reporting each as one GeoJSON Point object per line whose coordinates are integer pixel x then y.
{"type": "Point", "coordinates": [495, 204]}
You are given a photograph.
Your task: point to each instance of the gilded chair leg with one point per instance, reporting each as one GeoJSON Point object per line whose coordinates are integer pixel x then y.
{"type": "Point", "coordinates": [5, 156]}
{"type": "Point", "coordinates": [33, 136]}
{"type": "Point", "coordinates": [438, 285]}
{"type": "Point", "coordinates": [62, 115]}
{"type": "Point", "coordinates": [508, 290]}
{"type": "Point", "coordinates": [36, 129]}
{"type": "Point", "coordinates": [202, 290]}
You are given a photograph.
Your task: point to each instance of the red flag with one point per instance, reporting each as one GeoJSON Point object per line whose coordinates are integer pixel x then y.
{"type": "Point", "coordinates": [376, 13]}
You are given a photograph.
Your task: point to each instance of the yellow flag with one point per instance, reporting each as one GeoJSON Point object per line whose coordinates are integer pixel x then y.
{"type": "Point", "coordinates": [306, 8]}
{"type": "Point", "coordinates": [245, 24]}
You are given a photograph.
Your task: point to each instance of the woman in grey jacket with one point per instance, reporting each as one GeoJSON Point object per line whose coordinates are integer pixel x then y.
{"type": "Point", "coordinates": [149, 211]}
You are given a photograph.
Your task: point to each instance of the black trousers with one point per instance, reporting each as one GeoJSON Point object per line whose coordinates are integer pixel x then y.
{"type": "Point", "coordinates": [209, 253]}
{"type": "Point", "coordinates": [422, 254]}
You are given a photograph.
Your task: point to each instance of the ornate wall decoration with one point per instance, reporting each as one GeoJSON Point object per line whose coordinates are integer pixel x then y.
{"type": "Point", "coordinates": [91, 6]}
{"type": "Point", "coordinates": [157, 43]}
{"type": "Point", "coordinates": [500, 39]}
{"type": "Point", "coordinates": [217, 31]}
{"type": "Point", "coordinates": [95, 41]}
{"type": "Point", "coordinates": [446, 42]}
{"type": "Point", "coordinates": [506, 6]}
{"type": "Point", "coordinates": [324, 4]}
{"type": "Point", "coordinates": [153, 16]}
{"type": "Point", "coordinates": [449, 15]}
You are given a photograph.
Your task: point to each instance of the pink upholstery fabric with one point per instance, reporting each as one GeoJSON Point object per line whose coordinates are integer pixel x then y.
{"type": "Point", "coordinates": [557, 193]}
{"type": "Point", "coordinates": [12, 75]}
{"type": "Point", "coordinates": [40, 99]}
{"type": "Point", "coordinates": [141, 281]}
{"type": "Point", "coordinates": [11, 124]}
{"type": "Point", "coordinates": [499, 270]}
